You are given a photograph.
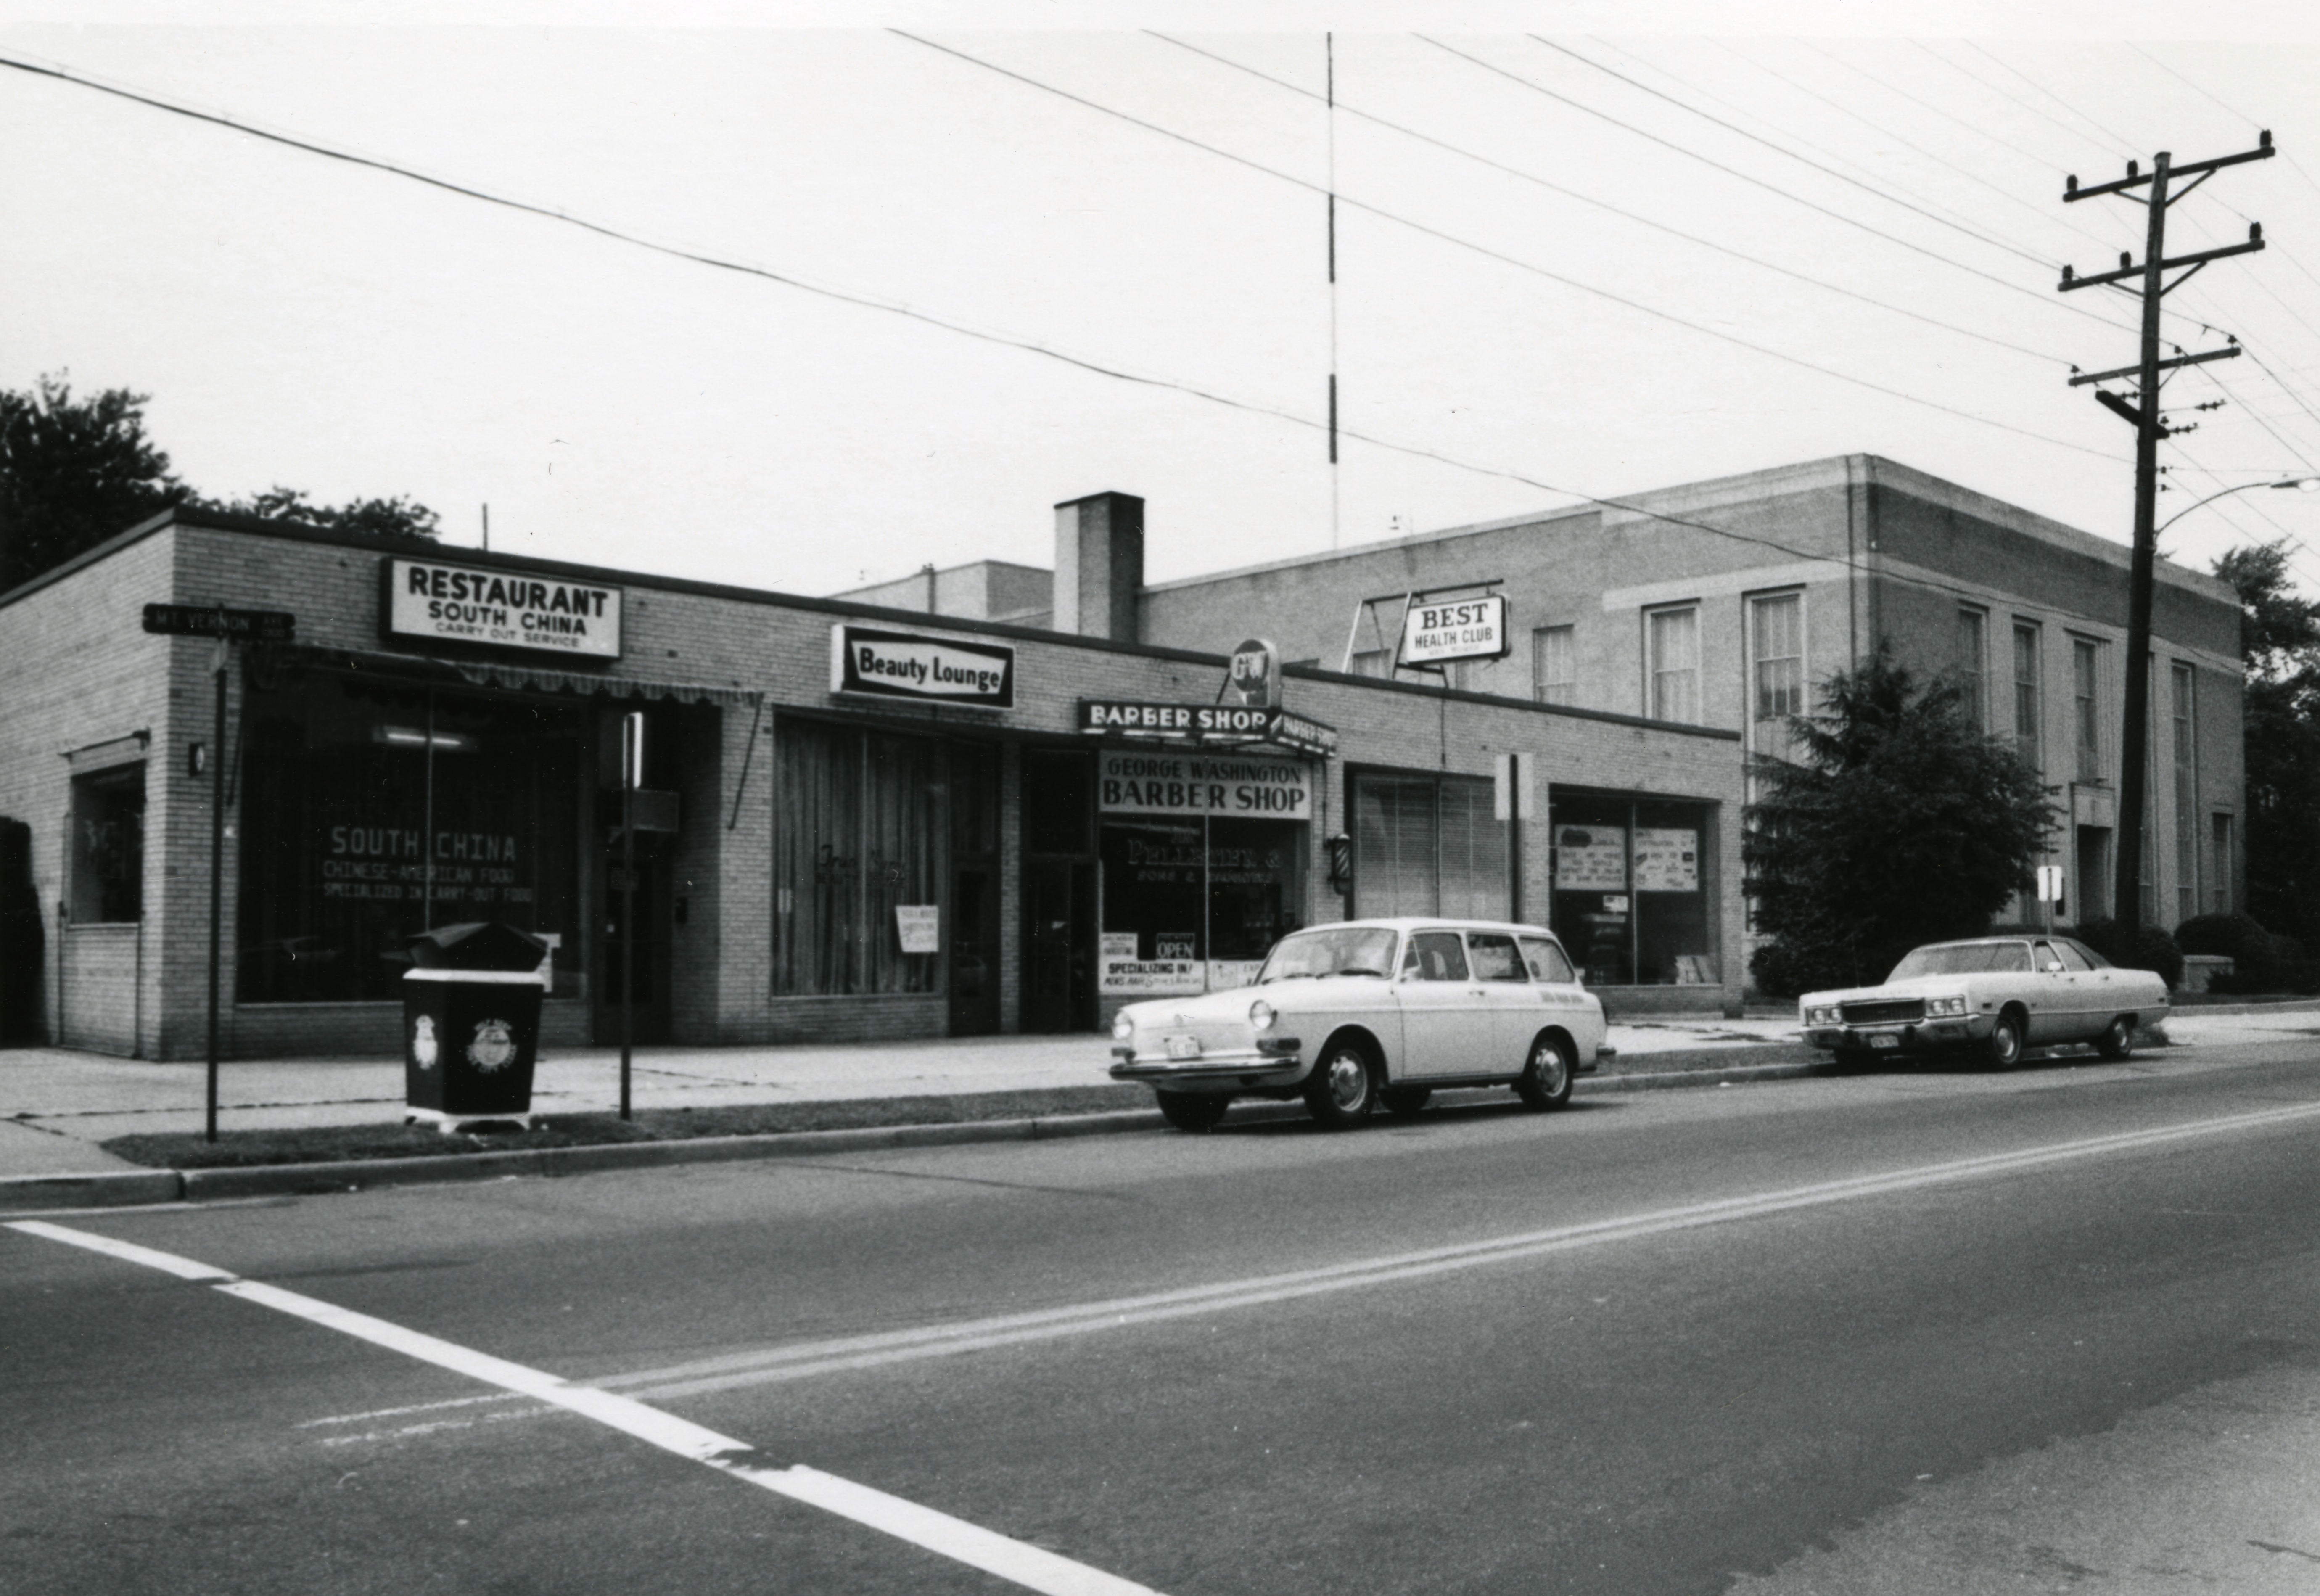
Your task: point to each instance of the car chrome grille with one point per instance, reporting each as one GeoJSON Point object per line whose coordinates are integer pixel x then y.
{"type": "Point", "coordinates": [1883, 1012]}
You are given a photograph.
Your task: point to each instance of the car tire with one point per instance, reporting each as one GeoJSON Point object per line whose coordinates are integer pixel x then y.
{"type": "Point", "coordinates": [1403, 1102]}
{"type": "Point", "coordinates": [1193, 1110]}
{"type": "Point", "coordinates": [2003, 1050]}
{"type": "Point", "coordinates": [2117, 1040]}
{"type": "Point", "coordinates": [1545, 1080]}
{"type": "Point", "coordinates": [1342, 1088]}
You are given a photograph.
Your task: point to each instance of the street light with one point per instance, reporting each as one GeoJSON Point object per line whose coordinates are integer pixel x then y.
{"type": "Point", "coordinates": [2303, 483]}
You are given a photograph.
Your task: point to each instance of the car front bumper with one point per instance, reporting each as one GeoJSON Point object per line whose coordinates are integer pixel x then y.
{"type": "Point", "coordinates": [1913, 1036]}
{"type": "Point", "coordinates": [1276, 1062]}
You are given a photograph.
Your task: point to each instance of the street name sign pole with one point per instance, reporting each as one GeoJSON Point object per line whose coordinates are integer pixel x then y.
{"type": "Point", "coordinates": [228, 627]}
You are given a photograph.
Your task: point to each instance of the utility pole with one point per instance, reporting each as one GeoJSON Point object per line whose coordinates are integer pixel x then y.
{"type": "Point", "coordinates": [2143, 415]}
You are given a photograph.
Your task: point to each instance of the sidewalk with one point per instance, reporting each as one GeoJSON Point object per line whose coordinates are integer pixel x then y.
{"type": "Point", "coordinates": [57, 1105]}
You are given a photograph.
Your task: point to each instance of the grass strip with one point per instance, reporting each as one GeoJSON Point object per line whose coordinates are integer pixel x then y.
{"type": "Point", "coordinates": [323, 1144]}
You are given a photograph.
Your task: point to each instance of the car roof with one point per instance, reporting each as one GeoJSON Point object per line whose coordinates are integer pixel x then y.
{"type": "Point", "coordinates": [1432, 923]}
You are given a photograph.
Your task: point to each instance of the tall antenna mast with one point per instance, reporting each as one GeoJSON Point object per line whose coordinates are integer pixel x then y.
{"type": "Point", "coordinates": [1329, 57]}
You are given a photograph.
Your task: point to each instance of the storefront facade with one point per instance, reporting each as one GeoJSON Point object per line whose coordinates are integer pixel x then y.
{"type": "Point", "coordinates": [851, 822]}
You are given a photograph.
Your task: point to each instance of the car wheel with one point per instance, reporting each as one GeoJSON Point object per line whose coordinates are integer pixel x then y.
{"type": "Point", "coordinates": [2119, 1041]}
{"type": "Point", "coordinates": [1193, 1110]}
{"type": "Point", "coordinates": [1545, 1080]}
{"type": "Point", "coordinates": [2004, 1049]}
{"type": "Point", "coordinates": [1341, 1091]}
{"type": "Point", "coordinates": [1404, 1102]}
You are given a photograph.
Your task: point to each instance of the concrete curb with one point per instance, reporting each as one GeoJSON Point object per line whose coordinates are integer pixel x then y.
{"type": "Point", "coordinates": [125, 1188]}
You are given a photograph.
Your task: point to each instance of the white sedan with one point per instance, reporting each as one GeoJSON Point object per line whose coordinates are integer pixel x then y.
{"type": "Point", "coordinates": [1994, 995]}
{"type": "Point", "coordinates": [1366, 1011]}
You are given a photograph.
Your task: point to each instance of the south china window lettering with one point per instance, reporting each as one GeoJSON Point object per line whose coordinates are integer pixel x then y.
{"type": "Point", "coordinates": [337, 872]}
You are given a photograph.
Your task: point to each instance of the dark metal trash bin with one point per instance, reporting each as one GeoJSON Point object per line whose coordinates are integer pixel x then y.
{"type": "Point", "coordinates": [471, 1023]}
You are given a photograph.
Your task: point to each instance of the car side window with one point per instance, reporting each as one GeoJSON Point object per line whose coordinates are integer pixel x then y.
{"type": "Point", "coordinates": [2048, 961]}
{"type": "Point", "coordinates": [1546, 961]}
{"type": "Point", "coordinates": [2070, 957]}
{"type": "Point", "coordinates": [2013, 959]}
{"type": "Point", "coordinates": [2095, 961]}
{"type": "Point", "coordinates": [1436, 956]}
{"type": "Point", "coordinates": [1494, 957]}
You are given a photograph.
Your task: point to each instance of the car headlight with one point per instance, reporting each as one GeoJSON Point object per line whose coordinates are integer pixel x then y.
{"type": "Point", "coordinates": [1825, 1015]}
{"type": "Point", "coordinates": [1122, 1026]}
{"type": "Point", "coordinates": [1261, 1015]}
{"type": "Point", "coordinates": [1940, 1008]}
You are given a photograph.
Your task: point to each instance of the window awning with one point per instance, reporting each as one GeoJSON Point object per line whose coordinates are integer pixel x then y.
{"type": "Point", "coordinates": [270, 660]}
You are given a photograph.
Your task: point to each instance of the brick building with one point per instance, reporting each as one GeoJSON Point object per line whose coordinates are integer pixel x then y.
{"type": "Point", "coordinates": [1723, 603]}
{"type": "Point", "coordinates": [841, 787]}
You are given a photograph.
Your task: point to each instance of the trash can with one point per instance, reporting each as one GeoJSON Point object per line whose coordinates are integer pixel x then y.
{"type": "Point", "coordinates": [471, 1023]}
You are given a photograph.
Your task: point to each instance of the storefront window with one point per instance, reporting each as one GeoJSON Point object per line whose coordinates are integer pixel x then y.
{"type": "Point", "coordinates": [1195, 891]}
{"type": "Point", "coordinates": [345, 787]}
{"type": "Point", "coordinates": [1631, 892]}
{"type": "Point", "coordinates": [858, 835]}
{"type": "Point", "coordinates": [108, 843]}
{"type": "Point", "coordinates": [1427, 845]}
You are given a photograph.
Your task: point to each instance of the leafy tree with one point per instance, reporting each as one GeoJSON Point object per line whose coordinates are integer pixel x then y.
{"type": "Point", "coordinates": [1900, 824]}
{"type": "Point", "coordinates": [2279, 640]}
{"type": "Point", "coordinates": [74, 472]}
{"type": "Point", "coordinates": [395, 518]}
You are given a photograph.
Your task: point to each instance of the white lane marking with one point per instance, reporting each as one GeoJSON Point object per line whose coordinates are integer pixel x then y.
{"type": "Point", "coordinates": [128, 1252]}
{"type": "Point", "coordinates": [806, 1359]}
{"type": "Point", "coordinates": [468, 1401]}
{"type": "Point", "coordinates": [1032, 1567]}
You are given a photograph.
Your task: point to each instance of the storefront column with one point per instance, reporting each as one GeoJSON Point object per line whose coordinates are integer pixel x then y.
{"type": "Point", "coordinates": [1010, 889]}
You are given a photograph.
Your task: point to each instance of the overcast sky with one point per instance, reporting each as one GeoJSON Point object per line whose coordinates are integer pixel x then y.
{"type": "Point", "coordinates": [1517, 323]}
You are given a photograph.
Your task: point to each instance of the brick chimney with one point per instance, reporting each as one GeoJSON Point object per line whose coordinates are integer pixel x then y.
{"type": "Point", "coordinates": [1098, 565]}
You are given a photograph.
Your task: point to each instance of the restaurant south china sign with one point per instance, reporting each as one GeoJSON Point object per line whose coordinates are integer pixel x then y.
{"type": "Point", "coordinates": [429, 602]}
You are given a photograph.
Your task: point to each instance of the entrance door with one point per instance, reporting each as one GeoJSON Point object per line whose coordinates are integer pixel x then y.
{"type": "Point", "coordinates": [974, 950]}
{"type": "Point", "coordinates": [650, 974]}
{"type": "Point", "coordinates": [2094, 882]}
{"type": "Point", "coordinates": [1058, 946]}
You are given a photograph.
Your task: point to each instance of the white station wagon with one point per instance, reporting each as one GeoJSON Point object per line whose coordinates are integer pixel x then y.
{"type": "Point", "coordinates": [1995, 995]}
{"type": "Point", "coordinates": [1366, 1011]}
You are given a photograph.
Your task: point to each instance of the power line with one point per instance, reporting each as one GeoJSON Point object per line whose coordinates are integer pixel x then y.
{"type": "Point", "coordinates": [2120, 146]}
{"type": "Point", "coordinates": [1554, 187]}
{"type": "Point", "coordinates": [1503, 259]}
{"type": "Point", "coordinates": [618, 235]}
{"type": "Point", "coordinates": [1870, 188]}
{"type": "Point", "coordinates": [1813, 206]}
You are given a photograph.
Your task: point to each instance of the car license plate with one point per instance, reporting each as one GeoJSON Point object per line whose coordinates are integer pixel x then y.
{"type": "Point", "coordinates": [1884, 1041]}
{"type": "Point", "coordinates": [1184, 1047]}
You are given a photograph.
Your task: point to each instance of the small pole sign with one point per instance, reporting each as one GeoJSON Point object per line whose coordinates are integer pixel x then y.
{"type": "Point", "coordinates": [229, 627]}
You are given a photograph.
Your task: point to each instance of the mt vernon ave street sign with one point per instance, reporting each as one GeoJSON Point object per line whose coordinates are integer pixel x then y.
{"type": "Point", "coordinates": [213, 620]}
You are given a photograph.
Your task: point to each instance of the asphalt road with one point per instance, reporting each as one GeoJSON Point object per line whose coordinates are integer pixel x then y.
{"type": "Point", "coordinates": [1668, 1343]}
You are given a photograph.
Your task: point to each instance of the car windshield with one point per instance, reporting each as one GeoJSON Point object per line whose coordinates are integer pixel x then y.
{"type": "Point", "coordinates": [1962, 958]}
{"type": "Point", "coordinates": [1334, 950]}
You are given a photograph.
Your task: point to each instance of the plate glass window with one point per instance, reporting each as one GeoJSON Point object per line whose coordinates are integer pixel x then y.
{"type": "Point", "coordinates": [1427, 845]}
{"type": "Point", "coordinates": [373, 810]}
{"type": "Point", "coordinates": [1671, 664]}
